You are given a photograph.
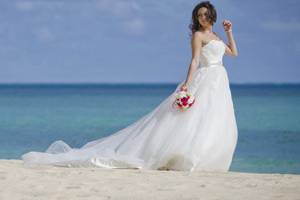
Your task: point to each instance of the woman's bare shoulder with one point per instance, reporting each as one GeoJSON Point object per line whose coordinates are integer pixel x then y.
{"type": "Point", "coordinates": [197, 35]}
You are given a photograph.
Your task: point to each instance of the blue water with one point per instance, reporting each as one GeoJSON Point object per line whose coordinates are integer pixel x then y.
{"type": "Point", "coordinates": [33, 116]}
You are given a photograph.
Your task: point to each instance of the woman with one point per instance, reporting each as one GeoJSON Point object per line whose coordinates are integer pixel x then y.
{"type": "Point", "coordinates": [202, 138]}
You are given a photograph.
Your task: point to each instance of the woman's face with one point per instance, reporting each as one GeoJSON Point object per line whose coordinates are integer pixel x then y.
{"type": "Point", "coordinates": [202, 13]}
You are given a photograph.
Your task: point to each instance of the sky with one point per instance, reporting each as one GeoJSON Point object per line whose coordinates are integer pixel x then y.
{"type": "Point", "coordinates": [141, 41]}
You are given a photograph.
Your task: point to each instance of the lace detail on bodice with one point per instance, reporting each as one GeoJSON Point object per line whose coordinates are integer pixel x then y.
{"type": "Point", "coordinates": [212, 53]}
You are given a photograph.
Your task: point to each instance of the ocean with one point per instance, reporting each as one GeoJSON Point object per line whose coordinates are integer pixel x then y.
{"type": "Point", "coordinates": [32, 116]}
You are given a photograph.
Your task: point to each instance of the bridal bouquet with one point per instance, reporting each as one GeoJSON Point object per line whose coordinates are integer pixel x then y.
{"type": "Point", "coordinates": [183, 100]}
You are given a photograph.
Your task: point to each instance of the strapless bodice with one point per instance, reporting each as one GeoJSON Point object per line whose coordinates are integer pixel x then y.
{"type": "Point", "coordinates": [212, 53]}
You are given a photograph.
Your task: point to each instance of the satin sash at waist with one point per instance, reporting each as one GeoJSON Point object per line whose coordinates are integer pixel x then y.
{"type": "Point", "coordinates": [215, 64]}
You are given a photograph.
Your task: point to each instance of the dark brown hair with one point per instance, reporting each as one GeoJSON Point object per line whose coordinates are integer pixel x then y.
{"type": "Point", "coordinates": [211, 16]}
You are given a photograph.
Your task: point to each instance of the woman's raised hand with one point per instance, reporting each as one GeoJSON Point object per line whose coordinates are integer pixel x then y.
{"type": "Point", "coordinates": [227, 25]}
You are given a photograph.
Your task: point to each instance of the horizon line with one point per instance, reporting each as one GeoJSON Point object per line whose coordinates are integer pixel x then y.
{"type": "Point", "coordinates": [137, 83]}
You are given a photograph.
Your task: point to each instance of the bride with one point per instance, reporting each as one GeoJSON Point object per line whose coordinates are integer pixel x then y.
{"type": "Point", "coordinates": [202, 138]}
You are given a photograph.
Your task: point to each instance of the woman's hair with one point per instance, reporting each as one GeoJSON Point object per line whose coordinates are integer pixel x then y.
{"type": "Point", "coordinates": [211, 16]}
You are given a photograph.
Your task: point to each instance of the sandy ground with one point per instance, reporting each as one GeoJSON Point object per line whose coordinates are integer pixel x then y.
{"type": "Point", "coordinates": [48, 182]}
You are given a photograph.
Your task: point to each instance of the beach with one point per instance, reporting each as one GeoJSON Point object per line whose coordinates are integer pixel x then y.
{"type": "Point", "coordinates": [49, 182]}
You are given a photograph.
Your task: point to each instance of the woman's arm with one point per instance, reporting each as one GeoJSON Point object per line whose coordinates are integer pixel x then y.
{"type": "Point", "coordinates": [196, 49]}
{"type": "Point", "coordinates": [231, 49]}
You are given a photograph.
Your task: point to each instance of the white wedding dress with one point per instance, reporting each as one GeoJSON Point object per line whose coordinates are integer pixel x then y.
{"type": "Point", "coordinates": [202, 138]}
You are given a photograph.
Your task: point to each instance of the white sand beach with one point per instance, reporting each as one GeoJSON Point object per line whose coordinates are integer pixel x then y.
{"type": "Point", "coordinates": [48, 182]}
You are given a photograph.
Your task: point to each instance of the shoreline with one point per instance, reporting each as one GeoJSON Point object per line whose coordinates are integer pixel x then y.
{"type": "Point", "coordinates": [49, 182]}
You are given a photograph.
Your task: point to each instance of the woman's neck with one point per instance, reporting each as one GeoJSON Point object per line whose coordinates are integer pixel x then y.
{"type": "Point", "coordinates": [208, 29]}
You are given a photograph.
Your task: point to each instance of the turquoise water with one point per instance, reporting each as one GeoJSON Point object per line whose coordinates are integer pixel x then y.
{"type": "Point", "coordinates": [33, 116]}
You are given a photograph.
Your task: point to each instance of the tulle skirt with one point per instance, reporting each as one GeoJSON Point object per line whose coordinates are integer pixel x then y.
{"type": "Point", "coordinates": [202, 138]}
